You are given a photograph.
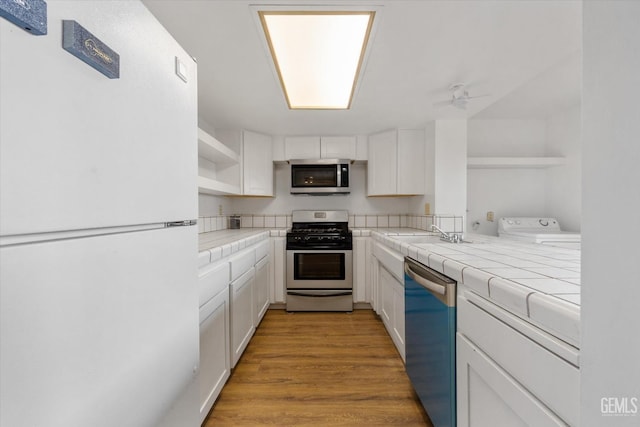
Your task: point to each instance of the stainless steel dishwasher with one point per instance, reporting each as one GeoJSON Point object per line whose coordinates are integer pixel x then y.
{"type": "Point", "coordinates": [430, 328]}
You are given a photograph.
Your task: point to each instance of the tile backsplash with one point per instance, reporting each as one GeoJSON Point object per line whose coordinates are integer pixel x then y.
{"type": "Point", "coordinates": [448, 223]}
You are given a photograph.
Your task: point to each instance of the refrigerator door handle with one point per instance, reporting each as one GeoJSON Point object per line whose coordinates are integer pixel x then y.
{"type": "Point", "coordinates": [184, 223]}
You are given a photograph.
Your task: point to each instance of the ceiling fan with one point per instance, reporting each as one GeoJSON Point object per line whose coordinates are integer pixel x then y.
{"type": "Point", "coordinates": [459, 97]}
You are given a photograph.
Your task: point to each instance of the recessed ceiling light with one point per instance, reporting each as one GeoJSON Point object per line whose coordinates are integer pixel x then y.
{"type": "Point", "coordinates": [317, 54]}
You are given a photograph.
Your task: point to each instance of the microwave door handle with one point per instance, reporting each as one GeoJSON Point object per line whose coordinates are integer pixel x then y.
{"type": "Point", "coordinates": [339, 176]}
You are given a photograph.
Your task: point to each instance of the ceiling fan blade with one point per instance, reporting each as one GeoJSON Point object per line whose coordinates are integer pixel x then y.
{"type": "Point", "coordinates": [477, 96]}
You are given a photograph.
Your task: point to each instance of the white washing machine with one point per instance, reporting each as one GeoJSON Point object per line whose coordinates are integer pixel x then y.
{"type": "Point", "coordinates": [545, 231]}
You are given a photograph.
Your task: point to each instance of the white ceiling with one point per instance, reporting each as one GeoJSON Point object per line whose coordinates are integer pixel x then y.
{"type": "Point", "coordinates": [527, 49]}
{"type": "Point", "coordinates": [555, 89]}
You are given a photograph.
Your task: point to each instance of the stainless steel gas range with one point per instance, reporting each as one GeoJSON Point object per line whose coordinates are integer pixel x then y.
{"type": "Point", "coordinates": [319, 262]}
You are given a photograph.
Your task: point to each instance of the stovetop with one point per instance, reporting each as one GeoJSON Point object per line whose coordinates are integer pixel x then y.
{"type": "Point", "coordinates": [319, 228]}
{"type": "Point", "coordinates": [316, 230]}
{"type": "Point", "coordinates": [319, 236]}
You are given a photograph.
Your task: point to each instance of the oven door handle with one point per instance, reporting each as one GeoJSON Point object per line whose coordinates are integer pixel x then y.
{"type": "Point", "coordinates": [319, 295]}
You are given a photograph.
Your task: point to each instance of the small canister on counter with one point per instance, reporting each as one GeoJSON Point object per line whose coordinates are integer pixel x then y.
{"type": "Point", "coordinates": [234, 222]}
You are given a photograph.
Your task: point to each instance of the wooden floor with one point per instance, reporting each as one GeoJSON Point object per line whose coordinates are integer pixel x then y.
{"type": "Point", "coordinates": [320, 369]}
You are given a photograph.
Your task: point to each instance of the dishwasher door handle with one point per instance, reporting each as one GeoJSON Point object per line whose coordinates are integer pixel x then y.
{"type": "Point", "coordinates": [428, 284]}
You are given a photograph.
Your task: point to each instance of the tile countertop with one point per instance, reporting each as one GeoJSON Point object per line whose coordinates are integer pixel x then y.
{"type": "Point", "coordinates": [537, 282]}
{"type": "Point", "coordinates": [217, 244]}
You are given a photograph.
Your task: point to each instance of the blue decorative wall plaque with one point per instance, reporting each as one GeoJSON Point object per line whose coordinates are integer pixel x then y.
{"type": "Point", "coordinates": [30, 15]}
{"type": "Point", "coordinates": [88, 48]}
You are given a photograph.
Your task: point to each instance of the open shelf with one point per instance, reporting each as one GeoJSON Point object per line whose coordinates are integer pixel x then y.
{"type": "Point", "coordinates": [217, 188]}
{"type": "Point", "coordinates": [513, 162]}
{"type": "Point", "coordinates": [214, 150]}
{"type": "Point", "coordinates": [217, 158]}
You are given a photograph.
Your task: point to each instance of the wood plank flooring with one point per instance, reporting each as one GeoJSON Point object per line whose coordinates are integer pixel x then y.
{"type": "Point", "coordinates": [319, 369]}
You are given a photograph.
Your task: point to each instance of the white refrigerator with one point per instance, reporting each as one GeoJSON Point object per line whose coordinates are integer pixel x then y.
{"type": "Point", "coordinates": [98, 294]}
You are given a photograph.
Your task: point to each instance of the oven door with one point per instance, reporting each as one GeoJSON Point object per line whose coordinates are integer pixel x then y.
{"type": "Point", "coordinates": [319, 269]}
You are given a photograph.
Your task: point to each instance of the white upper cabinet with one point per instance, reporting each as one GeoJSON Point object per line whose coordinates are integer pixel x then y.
{"type": "Point", "coordinates": [257, 165]}
{"type": "Point", "coordinates": [254, 176]}
{"type": "Point", "coordinates": [302, 147]}
{"type": "Point", "coordinates": [338, 147]}
{"type": "Point", "coordinates": [396, 163]}
{"type": "Point", "coordinates": [411, 161]}
{"type": "Point", "coordinates": [320, 147]}
{"type": "Point", "coordinates": [382, 168]}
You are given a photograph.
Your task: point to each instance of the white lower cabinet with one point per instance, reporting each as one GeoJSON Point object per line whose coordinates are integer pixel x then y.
{"type": "Point", "coordinates": [261, 289]}
{"type": "Point", "coordinates": [361, 270]}
{"type": "Point", "coordinates": [277, 277]}
{"type": "Point", "coordinates": [374, 268]}
{"type": "Point", "coordinates": [215, 360]}
{"type": "Point", "coordinates": [392, 308]}
{"type": "Point", "coordinates": [387, 291]}
{"type": "Point", "coordinates": [506, 373]}
{"type": "Point", "coordinates": [234, 297]}
{"type": "Point", "coordinates": [242, 309]}
{"type": "Point", "coordinates": [215, 364]}
{"type": "Point", "coordinates": [488, 396]}
{"type": "Point", "coordinates": [398, 318]}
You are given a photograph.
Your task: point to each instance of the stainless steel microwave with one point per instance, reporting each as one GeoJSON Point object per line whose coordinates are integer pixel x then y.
{"type": "Point", "coordinates": [320, 176]}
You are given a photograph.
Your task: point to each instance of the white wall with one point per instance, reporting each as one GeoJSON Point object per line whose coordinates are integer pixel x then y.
{"type": "Point", "coordinates": [610, 347]}
{"type": "Point", "coordinates": [506, 137]}
{"type": "Point", "coordinates": [563, 185]}
{"type": "Point", "coordinates": [356, 203]}
{"type": "Point", "coordinates": [209, 205]}
{"type": "Point", "coordinates": [450, 164]}
{"type": "Point", "coordinates": [551, 192]}
{"type": "Point", "coordinates": [417, 203]}
{"type": "Point", "coordinates": [505, 192]}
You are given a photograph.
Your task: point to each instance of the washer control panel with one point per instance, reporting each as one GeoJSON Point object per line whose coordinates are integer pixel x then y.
{"type": "Point", "coordinates": [509, 224]}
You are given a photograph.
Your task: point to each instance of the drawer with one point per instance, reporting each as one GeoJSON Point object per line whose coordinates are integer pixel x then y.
{"type": "Point", "coordinates": [212, 280]}
{"type": "Point", "coordinates": [548, 377]}
{"type": "Point", "coordinates": [261, 263]}
{"type": "Point", "coordinates": [204, 258]}
{"type": "Point", "coordinates": [262, 249]}
{"type": "Point", "coordinates": [242, 262]}
{"type": "Point", "coordinates": [392, 260]}
{"type": "Point", "coordinates": [212, 304]}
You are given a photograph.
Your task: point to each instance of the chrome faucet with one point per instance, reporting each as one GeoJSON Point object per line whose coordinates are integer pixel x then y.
{"type": "Point", "coordinates": [448, 237]}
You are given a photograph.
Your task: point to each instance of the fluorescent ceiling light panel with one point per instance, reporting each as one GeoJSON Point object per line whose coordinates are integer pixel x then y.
{"type": "Point", "coordinates": [317, 54]}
